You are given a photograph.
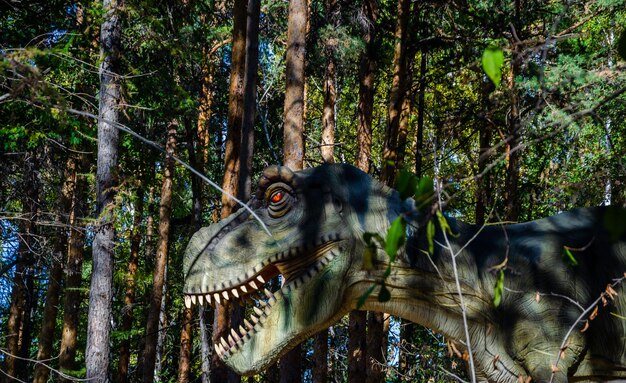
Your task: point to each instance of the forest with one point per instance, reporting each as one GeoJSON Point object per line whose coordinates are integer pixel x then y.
{"type": "Point", "coordinates": [121, 122]}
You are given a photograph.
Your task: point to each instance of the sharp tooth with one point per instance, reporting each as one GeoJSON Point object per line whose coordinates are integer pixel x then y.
{"type": "Point", "coordinates": [201, 300]}
{"type": "Point", "coordinates": [193, 299]}
{"type": "Point", "coordinates": [258, 311]}
{"type": "Point", "coordinates": [254, 319]}
{"type": "Point", "coordinates": [260, 279]}
{"type": "Point", "coordinates": [235, 335]}
{"type": "Point", "coordinates": [235, 293]}
{"type": "Point", "coordinates": [208, 298]}
{"type": "Point", "coordinates": [242, 330]}
{"type": "Point", "coordinates": [187, 301]}
{"type": "Point", "coordinates": [225, 294]}
{"type": "Point", "coordinates": [243, 289]}
{"type": "Point", "coordinates": [248, 324]}
{"type": "Point", "coordinates": [268, 293]}
{"type": "Point", "coordinates": [217, 298]}
{"type": "Point", "coordinates": [263, 303]}
{"type": "Point", "coordinates": [217, 349]}
{"type": "Point", "coordinates": [231, 341]}
{"type": "Point", "coordinates": [253, 285]}
{"type": "Point", "coordinates": [226, 347]}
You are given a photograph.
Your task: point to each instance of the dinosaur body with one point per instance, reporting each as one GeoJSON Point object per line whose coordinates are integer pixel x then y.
{"type": "Point", "coordinates": [317, 218]}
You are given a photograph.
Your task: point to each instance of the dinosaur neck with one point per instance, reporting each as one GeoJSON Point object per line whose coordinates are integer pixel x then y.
{"type": "Point", "coordinates": [423, 287]}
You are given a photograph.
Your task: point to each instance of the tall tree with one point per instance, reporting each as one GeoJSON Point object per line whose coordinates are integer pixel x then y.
{"type": "Point", "coordinates": [226, 315]}
{"type": "Point", "coordinates": [293, 118]}
{"type": "Point", "coordinates": [249, 101]}
{"type": "Point", "coordinates": [19, 292]}
{"type": "Point", "coordinates": [513, 139]}
{"type": "Point", "coordinates": [73, 271]}
{"type": "Point", "coordinates": [160, 263]}
{"type": "Point", "coordinates": [293, 133]}
{"type": "Point", "coordinates": [48, 322]}
{"type": "Point", "coordinates": [396, 94]}
{"type": "Point", "coordinates": [131, 285]}
{"type": "Point", "coordinates": [100, 293]}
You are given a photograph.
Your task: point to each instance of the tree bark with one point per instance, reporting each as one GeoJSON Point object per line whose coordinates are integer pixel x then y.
{"type": "Point", "coordinates": [293, 133]}
{"type": "Point", "coordinates": [377, 326]}
{"type": "Point", "coordinates": [19, 308]}
{"type": "Point", "coordinates": [249, 101]}
{"type": "Point", "coordinates": [100, 297]}
{"type": "Point", "coordinates": [160, 263]}
{"type": "Point", "coordinates": [330, 90]}
{"type": "Point", "coordinates": [73, 278]}
{"type": "Point", "coordinates": [293, 136]}
{"type": "Point", "coordinates": [396, 94]}
{"type": "Point", "coordinates": [511, 186]}
{"type": "Point", "coordinates": [129, 296]}
{"type": "Point", "coordinates": [226, 315]}
{"type": "Point", "coordinates": [367, 70]}
{"type": "Point", "coordinates": [48, 322]}
{"type": "Point", "coordinates": [420, 115]}
{"type": "Point", "coordinates": [483, 183]}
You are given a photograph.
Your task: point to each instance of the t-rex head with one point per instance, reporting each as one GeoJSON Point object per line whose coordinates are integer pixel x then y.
{"type": "Point", "coordinates": [316, 218]}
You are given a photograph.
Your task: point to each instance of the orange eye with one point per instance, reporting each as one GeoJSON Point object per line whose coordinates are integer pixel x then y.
{"type": "Point", "coordinates": [276, 197]}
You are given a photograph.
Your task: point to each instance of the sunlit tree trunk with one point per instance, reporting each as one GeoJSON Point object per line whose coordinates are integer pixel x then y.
{"type": "Point", "coordinates": [100, 292]}
{"type": "Point", "coordinates": [227, 315]}
{"type": "Point", "coordinates": [396, 94]}
{"type": "Point", "coordinates": [249, 101]}
{"type": "Point", "coordinates": [293, 133]}
{"type": "Point", "coordinates": [330, 89]}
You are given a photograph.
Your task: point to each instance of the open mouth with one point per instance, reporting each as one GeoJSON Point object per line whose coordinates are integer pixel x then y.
{"type": "Point", "coordinates": [252, 290]}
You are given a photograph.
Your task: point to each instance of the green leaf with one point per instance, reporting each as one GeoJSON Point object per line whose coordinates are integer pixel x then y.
{"type": "Point", "coordinates": [569, 258]}
{"type": "Point", "coordinates": [364, 297]}
{"type": "Point", "coordinates": [430, 235]}
{"type": "Point", "coordinates": [424, 192]}
{"type": "Point", "coordinates": [406, 183]}
{"type": "Point", "coordinates": [498, 289]}
{"type": "Point", "coordinates": [384, 295]}
{"type": "Point", "coordinates": [395, 237]}
{"type": "Point", "coordinates": [443, 222]}
{"type": "Point", "coordinates": [492, 61]}
{"type": "Point", "coordinates": [621, 45]}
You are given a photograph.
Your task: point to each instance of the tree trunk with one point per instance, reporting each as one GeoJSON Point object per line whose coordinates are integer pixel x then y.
{"type": "Point", "coordinates": [420, 115]}
{"type": "Point", "coordinates": [366, 86]}
{"type": "Point", "coordinates": [73, 278]}
{"type": "Point", "coordinates": [48, 322]}
{"type": "Point", "coordinates": [396, 95]}
{"type": "Point", "coordinates": [377, 326]}
{"type": "Point", "coordinates": [161, 331]}
{"type": "Point", "coordinates": [19, 310]}
{"type": "Point", "coordinates": [357, 347]}
{"type": "Point", "coordinates": [319, 370]}
{"type": "Point", "coordinates": [293, 136]}
{"type": "Point", "coordinates": [129, 296]}
{"type": "Point", "coordinates": [293, 133]}
{"type": "Point", "coordinates": [100, 297]}
{"type": "Point", "coordinates": [160, 263]}
{"type": "Point", "coordinates": [330, 90]}
{"type": "Point", "coordinates": [235, 107]}
{"type": "Point", "coordinates": [184, 360]}
{"type": "Point", "coordinates": [249, 102]}
{"type": "Point", "coordinates": [511, 186]}
{"type": "Point", "coordinates": [226, 315]}
{"type": "Point", "coordinates": [483, 183]}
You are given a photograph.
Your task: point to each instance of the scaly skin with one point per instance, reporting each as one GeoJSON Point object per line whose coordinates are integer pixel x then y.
{"type": "Point", "coordinates": [316, 244]}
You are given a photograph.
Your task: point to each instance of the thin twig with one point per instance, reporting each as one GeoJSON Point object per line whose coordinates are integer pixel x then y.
{"type": "Point", "coordinates": [156, 146]}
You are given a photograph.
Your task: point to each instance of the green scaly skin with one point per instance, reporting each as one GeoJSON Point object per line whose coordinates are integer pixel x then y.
{"type": "Point", "coordinates": [316, 244]}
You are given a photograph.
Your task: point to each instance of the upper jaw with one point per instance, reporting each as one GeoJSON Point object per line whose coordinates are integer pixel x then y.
{"type": "Point", "coordinates": [298, 266]}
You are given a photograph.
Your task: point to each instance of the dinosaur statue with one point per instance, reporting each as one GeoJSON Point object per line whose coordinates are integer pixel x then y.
{"type": "Point", "coordinates": [542, 330]}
